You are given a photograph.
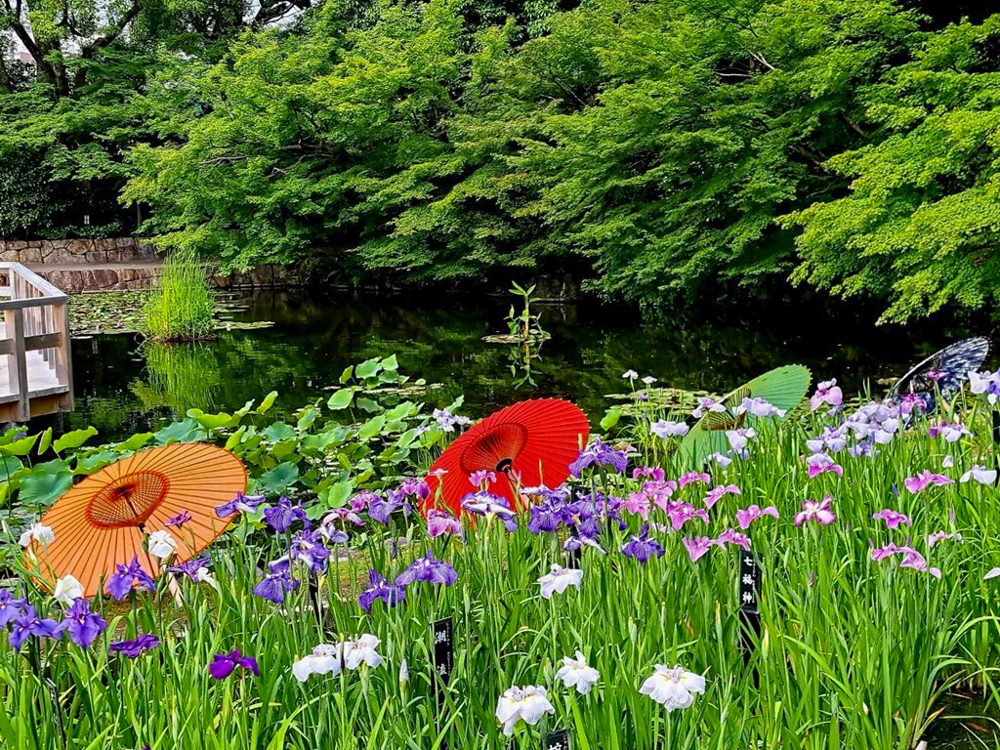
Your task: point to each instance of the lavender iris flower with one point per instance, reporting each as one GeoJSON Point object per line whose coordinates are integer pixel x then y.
{"type": "Point", "coordinates": [575, 542]}
{"type": "Point", "coordinates": [82, 625]}
{"type": "Point", "coordinates": [136, 647]}
{"type": "Point", "coordinates": [190, 567]}
{"type": "Point", "coordinates": [275, 586]}
{"type": "Point", "coordinates": [490, 506]}
{"type": "Point", "coordinates": [126, 576]}
{"type": "Point", "coordinates": [241, 504]}
{"type": "Point", "coordinates": [441, 522]}
{"type": "Point", "coordinates": [601, 454]}
{"type": "Point", "coordinates": [379, 587]}
{"type": "Point", "coordinates": [428, 570]}
{"type": "Point", "coordinates": [222, 665]}
{"type": "Point", "coordinates": [29, 624]}
{"type": "Point", "coordinates": [283, 514]}
{"type": "Point", "coordinates": [642, 547]}
{"type": "Point", "coordinates": [448, 421]}
{"type": "Point", "coordinates": [666, 430]}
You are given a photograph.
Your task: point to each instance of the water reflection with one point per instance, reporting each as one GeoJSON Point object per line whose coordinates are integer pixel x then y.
{"type": "Point", "coordinates": [122, 387]}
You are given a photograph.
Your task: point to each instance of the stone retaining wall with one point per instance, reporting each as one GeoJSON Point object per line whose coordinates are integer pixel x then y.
{"type": "Point", "coordinates": [75, 252]}
{"type": "Point", "coordinates": [122, 263]}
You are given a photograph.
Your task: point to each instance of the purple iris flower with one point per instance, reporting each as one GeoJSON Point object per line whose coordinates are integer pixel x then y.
{"type": "Point", "coordinates": [546, 516]}
{"type": "Point", "coordinates": [308, 547]}
{"type": "Point", "coordinates": [283, 514]}
{"type": "Point", "coordinates": [191, 567]}
{"type": "Point", "coordinates": [379, 510]}
{"type": "Point", "coordinates": [602, 454]}
{"type": "Point", "coordinates": [241, 504]}
{"type": "Point", "coordinates": [222, 665]}
{"type": "Point", "coordinates": [642, 547]}
{"type": "Point", "coordinates": [428, 570]}
{"type": "Point", "coordinates": [125, 577]}
{"type": "Point", "coordinates": [179, 520]}
{"type": "Point", "coordinates": [379, 587]}
{"type": "Point", "coordinates": [136, 647]}
{"type": "Point", "coordinates": [606, 509]}
{"type": "Point", "coordinates": [10, 608]}
{"type": "Point", "coordinates": [362, 500]}
{"type": "Point", "coordinates": [28, 624]}
{"type": "Point", "coordinates": [82, 625]}
{"type": "Point", "coordinates": [275, 586]}
{"type": "Point", "coordinates": [581, 516]}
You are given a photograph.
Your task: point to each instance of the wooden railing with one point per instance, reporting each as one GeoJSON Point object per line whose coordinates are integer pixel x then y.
{"type": "Point", "coordinates": [35, 350]}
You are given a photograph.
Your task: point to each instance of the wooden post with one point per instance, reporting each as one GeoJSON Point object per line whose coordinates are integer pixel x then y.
{"type": "Point", "coordinates": [18, 363]}
{"type": "Point", "coordinates": [64, 358]}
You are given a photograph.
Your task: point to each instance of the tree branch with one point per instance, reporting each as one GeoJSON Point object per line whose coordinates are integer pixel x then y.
{"type": "Point", "coordinates": [114, 31]}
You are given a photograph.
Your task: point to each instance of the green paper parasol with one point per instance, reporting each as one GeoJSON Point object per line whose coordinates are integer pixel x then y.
{"type": "Point", "coordinates": [783, 387]}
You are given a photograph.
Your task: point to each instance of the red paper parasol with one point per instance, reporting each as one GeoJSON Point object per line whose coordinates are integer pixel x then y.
{"type": "Point", "coordinates": [533, 442]}
{"type": "Point", "coordinates": [103, 520]}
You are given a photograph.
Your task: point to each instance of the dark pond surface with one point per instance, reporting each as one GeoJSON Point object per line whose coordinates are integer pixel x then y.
{"type": "Point", "coordinates": [122, 387]}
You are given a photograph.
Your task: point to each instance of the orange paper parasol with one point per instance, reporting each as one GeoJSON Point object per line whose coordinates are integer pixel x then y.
{"type": "Point", "coordinates": [533, 442]}
{"type": "Point", "coordinates": [103, 520]}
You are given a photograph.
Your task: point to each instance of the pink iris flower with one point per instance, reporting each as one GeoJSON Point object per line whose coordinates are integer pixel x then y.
{"type": "Point", "coordinates": [732, 536]}
{"type": "Point", "coordinates": [652, 472]}
{"type": "Point", "coordinates": [827, 392]}
{"type": "Point", "coordinates": [715, 494]}
{"type": "Point", "coordinates": [681, 513]}
{"type": "Point", "coordinates": [892, 518]}
{"type": "Point", "coordinates": [940, 536]}
{"type": "Point", "coordinates": [820, 463]}
{"type": "Point", "coordinates": [697, 547]}
{"type": "Point", "coordinates": [637, 504]}
{"type": "Point", "coordinates": [911, 558]}
{"type": "Point", "coordinates": [694, 476]}
{"type": "Point", "coordinates": [821, 512]}
{"type": "Point", "coordinates": [747, 516]}
{"type": "Point", "coordinates": [925, 479]}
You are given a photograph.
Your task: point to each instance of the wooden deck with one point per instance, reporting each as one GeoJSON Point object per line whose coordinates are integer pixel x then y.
{"type": "Point", "coordinates": [36, 375]}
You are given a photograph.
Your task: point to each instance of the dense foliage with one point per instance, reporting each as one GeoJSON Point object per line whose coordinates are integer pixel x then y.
{"type": "Point", "coordinates": [877, 603]}
{"type": "Point", "coordinates": [661, 150]}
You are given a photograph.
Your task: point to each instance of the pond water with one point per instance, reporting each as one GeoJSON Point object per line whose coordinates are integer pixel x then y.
{"type": "Point", "coordinates": [122, 387]}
